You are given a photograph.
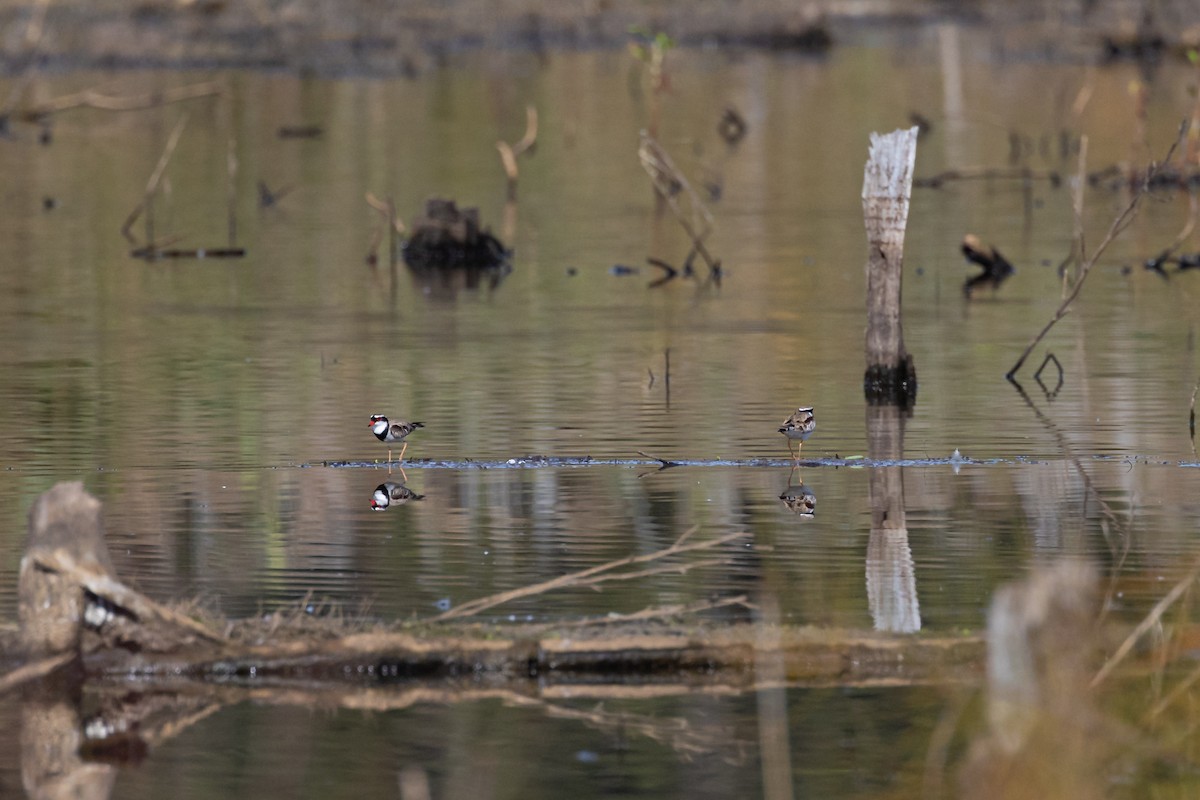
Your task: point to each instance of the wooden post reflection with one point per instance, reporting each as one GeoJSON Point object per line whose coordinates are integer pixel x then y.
{"type": "Point", "coordinates": [771, 679]}
{"type": "Point", "coordinates": [52, 765]}
{"type": "Point", "coordinates": [891, 578]}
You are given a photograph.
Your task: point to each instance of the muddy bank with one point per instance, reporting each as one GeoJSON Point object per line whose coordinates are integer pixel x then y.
{"type": "Point", "coordinates": [363, 37]}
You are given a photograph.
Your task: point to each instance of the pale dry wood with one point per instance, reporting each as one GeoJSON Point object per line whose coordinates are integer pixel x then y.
{"type": "Point", "coordinates": [579, 578]}
{"type": "Point", "coordinates": [510, 153]}
{"type": "Point", "coordinates": [152, 186]}
{"type": "Point", "coordinates": [887, 188]}
{"type": "Point", "coordinates": [90, 98]}
{"type": "Point", "coordinates": [1145, 625]}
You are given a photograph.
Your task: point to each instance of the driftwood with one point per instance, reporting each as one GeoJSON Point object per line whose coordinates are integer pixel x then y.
{"type": "Point", "coordinates": [891, 376]}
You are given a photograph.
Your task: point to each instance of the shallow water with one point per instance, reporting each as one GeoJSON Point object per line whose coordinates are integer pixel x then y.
{"type": "Point", "coordinates": [202, 400]}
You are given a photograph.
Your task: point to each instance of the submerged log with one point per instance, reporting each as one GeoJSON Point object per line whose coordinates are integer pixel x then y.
{"type": "Point", "coordinates": [449, 237]}
{"type": "Point", "coordinates": [891, 376]}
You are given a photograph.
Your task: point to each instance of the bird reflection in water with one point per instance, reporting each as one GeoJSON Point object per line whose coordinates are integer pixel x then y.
{"type": "Point", "coordinates": [798, 498]}
{"type": "Point", "coordinates": [391, 494]}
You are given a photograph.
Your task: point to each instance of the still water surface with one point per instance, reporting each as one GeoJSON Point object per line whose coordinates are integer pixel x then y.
{"type": "Point", "coordinates": [201, 399]}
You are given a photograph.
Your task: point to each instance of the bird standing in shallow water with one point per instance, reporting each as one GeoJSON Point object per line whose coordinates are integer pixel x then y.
{"type": "Point", "coordinates": [390, 432]}
{"type": "Point", "coordinates": [798, 427]}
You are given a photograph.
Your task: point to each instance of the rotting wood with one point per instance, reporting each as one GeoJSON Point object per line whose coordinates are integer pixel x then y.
{"type": "Point", "coordinates": [891, 376]}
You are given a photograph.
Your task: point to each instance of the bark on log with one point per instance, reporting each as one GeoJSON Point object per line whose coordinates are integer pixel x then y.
{"type": "Point", "coordinates": [891, 377]}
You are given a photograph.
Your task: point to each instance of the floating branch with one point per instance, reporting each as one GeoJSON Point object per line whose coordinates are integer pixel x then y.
{"type": "Point", "coordinates": [157, 251]}
{"type": "Point", "coordinates": [666, 464]}
{"type": "Point", "coordinates": [134, 102]}
{"type": "Point", "coordinates": [986, 173]}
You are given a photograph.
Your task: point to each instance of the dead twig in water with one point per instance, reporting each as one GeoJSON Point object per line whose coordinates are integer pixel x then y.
{"type": "Point", "coordinates": [510, 153]}
{"type": "Point", "coordinates": [146, 203]}
{"type": "Point", "coordinates": [390, 224]}
{"type": "Point", "coordinates": [1118, 225]}
{"type": "Point", "coordinates": [671, 185]}
{"type": "Point", "coordinates": [1156, 263]}
{"type": "Point", "coordinates": [1146, 624]}
{"type": "Point", "coordinates": [669, 272]}
{"type": "Point", "coordinates": [666, 463]}
{"type": "Point", "coordinates": [986, 173]}
{"type": "Point", "coordinates": [582, 576]}
{"type": "Point", "coordinates": [1037, 376]}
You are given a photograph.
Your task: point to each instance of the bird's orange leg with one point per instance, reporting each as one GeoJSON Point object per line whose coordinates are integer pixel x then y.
{"type": "Point", "coordinates": [402, 449]}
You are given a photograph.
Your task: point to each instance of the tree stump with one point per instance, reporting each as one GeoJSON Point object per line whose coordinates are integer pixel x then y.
{"type": "Point", "coordinates": [65, 524]}
{"type": "Point", "coordinates": [449, 237]}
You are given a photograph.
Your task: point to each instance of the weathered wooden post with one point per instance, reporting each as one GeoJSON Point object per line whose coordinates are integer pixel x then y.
{"type": "Point", "coordinates": [890, 382]}
{"type": "Point", "coordinates": [891, 377]}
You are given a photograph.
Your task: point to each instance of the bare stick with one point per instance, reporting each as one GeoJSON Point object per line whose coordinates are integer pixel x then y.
{"type": "Point", "coordinates": [671, 184]}
{"type": "Point", "coordinates": [984, 173]}
{"type": "Point", "coordinates": [510, 153]}
{"type": "Point", "coordinates": [660, 612]}
{"type": "Point", "coordinates": [509, 160]}
{"type": "Point", "coordinates": [34, 670]}
{"type": "Point", "coordinates": [390, 224]}
{"type": "Point", "coordinates": [135, 102]}
{"type": "Point", "coordinates": [1118, 226]}
{"type": "Point", "coordinates": [529, 140]}
{"type": "Point", "coordinates": [152, 186]}
{"type": "Point", "coordinates": [475, 606]}
{"type": "Point", "coordinates": [1146, 624]}
{"type": "Point", "coordinates": [665, 463]}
